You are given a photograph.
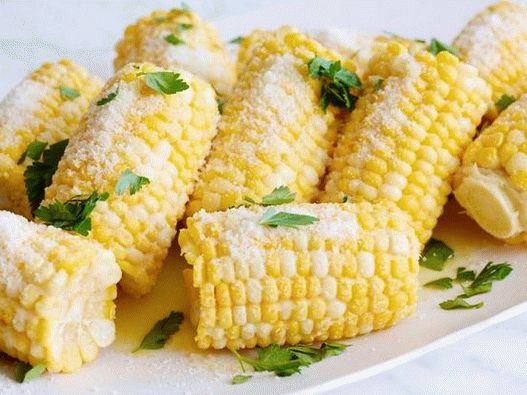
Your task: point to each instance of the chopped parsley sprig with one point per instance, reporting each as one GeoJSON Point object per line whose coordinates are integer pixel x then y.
{"type": "Point", "coordinates": [161, 332]}
{"type": "Point", "coordinates": [285, 361]}
{"type": "Point", "coordinates": [435, 255]}
{"type": "Point", "coordinates": [166, 82]}
{"type": "Point", "coordinates": [280, 195]}
{"type": "Point", "coordinates": [68, 93]}
{"type": "Point", "coordinates": [24, 372]}
{"type": "Point", "coordinates": [37, 175]}
{"type": "Point", "coordinates": [131, 182]}
{"type": "Point", "coordinates": [274, 218]}
{"type": "Point", "coordinates": [237, 40]}
{"type": "Point", "coordinates": [108, 98]}
{"type": "Point", "coordinates": [72, 215]}
{"type": "Point", "coordinates": [336, 83]}
{"type": "Point", "coordinates": [437, 46]}
{"type": "Point", "coordinates": [504, 101]}
{"type": "Point", "coordinates": [174, 40]}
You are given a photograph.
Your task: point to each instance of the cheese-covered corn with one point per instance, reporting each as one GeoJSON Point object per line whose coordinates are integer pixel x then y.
{"type": "Point", "coordinates": [56, 295]}
{"type": "Point", "coordinates": [492, 182]}
{"type": "Point", "coordinates": [178, 39]}
{"type": "Point", "coordinates": [352, 272]}
{"type": "Point", "coordinates": [402, 142]}
{"type": "Point", "coordinates": [495, 42]}
{"type": "Point", "coordinates": [273, 131]}
{"type": "Point", "coordinates": [162, 137]}
{"type": "Point", "coordinates": [36, 110]}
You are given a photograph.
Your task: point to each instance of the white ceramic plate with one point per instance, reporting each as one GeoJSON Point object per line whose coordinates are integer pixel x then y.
{"type": "Point", "coordinates": [180, 368]}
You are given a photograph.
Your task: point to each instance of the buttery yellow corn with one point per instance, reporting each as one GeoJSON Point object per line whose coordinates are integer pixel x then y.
{"type": "Point", "coordinates": [352, 272]}
{"type": "Point", "coordinates": [56, 295]}
{"type": "Point", "coordinates": [492, 182]}
{"type": "Point", "coordinates": [196, 46]}
{"type": "Point", "coordinates": [273, 131]}
{"type": "Point", "coordinates": [162, 137]}
{"type": "Point", "coordinates": [495, 42]}
{"type": "Point", "coordinates": [35, 110]}
{"type": "Point", "coordinates": [402, 143]}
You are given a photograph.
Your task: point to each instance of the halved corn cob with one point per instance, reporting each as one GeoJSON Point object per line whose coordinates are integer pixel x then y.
{"type": "Point", "coordinates": [56, 295]}
{"type": "Point", "coordinates": [162, 137]}
{"type": "Point", "coordinates": [178, 39]}
{"type": "Point", "coordinates": [495, 42]}
{"type": "Point", "coordinates": [402, 142]}
{"type": "Point", "coordinates": [353, 271]}
{"type": "Point", "coordinates": [492, 181]}
{"type": "Point", "coordinates": [35, 110]}
{"type": "Point", "coordinates": [273, 131]}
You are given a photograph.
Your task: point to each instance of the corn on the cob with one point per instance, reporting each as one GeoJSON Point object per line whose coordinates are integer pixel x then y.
{"type": "Point", "coordinates": [495, 42]}
{"type": "Point", "coordinates": [162, 137]}
{"type": "Point", "coordinates": [492, 181]}
{"type": "Point", "coordinates": [273, 131]}
{"type": "Point", "coordinates": [56, 295]}
{"type": "Point", "coordinates": [402, 142]}
{"type": "Point", "coordinates": [178, 39]}
{"type": "Point", "coordinates": [35, 110]}
{"type": "Point", "coordinates": [251, 285]}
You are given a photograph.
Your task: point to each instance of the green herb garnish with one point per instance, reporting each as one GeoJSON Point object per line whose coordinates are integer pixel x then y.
{"type": "Point", "coordinates": [285, 361]}
{"type": "Point", "coordinates": [237, 40]}
{"type": "Point", "coordinates": [174, 40]}
{"type": "Point", "coordinates": [221, 103]}
{"type": "Point", "coordinates": [464, 275]}
{"type": "Point", "coordinates": [440, 283]}
{"type": "Point", "coordinates": [34, 150]}
{"type": "Point", "coordinates": [161, 332]}
{"type": "Point", "coordinates": [437, 46]}
{"type": "Point", "coordinates": [336, 82]}
{"type": "Point", "coordinates": [68, 93]}
{"type": "Point", "coordinates": [273, 218]}
{"type": "Point", "coordinates": [181, 27]}
{"type": "Point", "coordinates": [131, 181]}
{"type": "Point", "coordinates": [72, 215]}
{"type": "Point", "coordinates": [166, 82]}
{"type": "Point", "coordinates": [435, 255]}
{"type": "Point", "coordinates": [24, 372]}
{"type": "Point", "coordinates": [483, 281]}
{"type": "Point", "coordinates": [108, 98]}
{"type": "Point", "coordinates": [37, 175]}
{"type": "Point", "coordinates": [504, 101]}
{"type": "Point", "coordinates": [378, 84]}
{"type": "Point", "coordinates": [241, 378]}
{"type": "Point", "coordinates": [459, 304]}
{"type": "Point", "coordinates": [280, 195]}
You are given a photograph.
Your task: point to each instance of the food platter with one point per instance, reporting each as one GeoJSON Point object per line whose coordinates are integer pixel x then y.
{"type": "Point", "coordinates": [180, 367]}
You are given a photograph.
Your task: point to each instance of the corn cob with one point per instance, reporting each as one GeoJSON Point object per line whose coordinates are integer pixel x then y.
{"type": "Point", "coordinates": [162, 137]}
{"type": "Point", "coordinates": [56, 295]}
{"type": "Point", "coordinates": [492, 182]}
{"type": "Point", "coordinates": [402, 142]}
{"type": "Point", "coordinates": [251, 285]}
{"type": "Point", "coordinates": [35, 110]}
{"type": "Point", "coordinates": [273, 131]}
{"type": "Point", "coordinates": [495, 42]}
{"type": "Point", "coordinates": [196, 46]}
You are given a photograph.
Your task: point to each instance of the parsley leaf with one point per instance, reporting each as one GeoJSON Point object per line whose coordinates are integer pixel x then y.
{"type": "Point", "coordinates": [285, 361]}
{"type": "Point", "coordinates": [241, 378]}
{"type": "Point", "coordinates": [378, 84]}
{"type": "Point", "coordinates": [24, 372]}
{"type": "Point", "coordinates": [68, 93]}
{"type": "Point", "coordinates": [131, 181]}
{"type": "Point", "coordinates": [166, 82]}
{"type": "Point", "coordinates": [161, 332]}
{"type": "Point", "coordinates": [221, 103]}
{"type": "Point", "coordinates": [174, 40]}
{"type": "Point", "coordinates": [464, 275]}
{"type": "Point", "coordinates": [459, 303]}
{"type": "Point", "coordinates": [437, 46]}
{"type": "Point", "coordinates": [37, 176]}
{"type": "Point", "coordinates": [273, 218]}
{"type": "Point", "coordinates": [73, 215]}
{"type": "Point", "coordinates": [34, 150]}
{"type": "Point", "coordinates": [435, 255]}
{"type": "Point", "coordinates": [237, 40]}
{"type": "Point", "coordinates": [108, 98]}
{"type": "Point", "coordinates": [181, 27]}
{"type": "Point", "coordinates": [336, 82]}
{"type": "Point", "coordinates": [280, 195]}
{"type": "Point", "coordinates": [440, 283]}
{"type": "Point", "coordinates": [504, 101]}
{"type": "Point", "coordinates": [483, 281]}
